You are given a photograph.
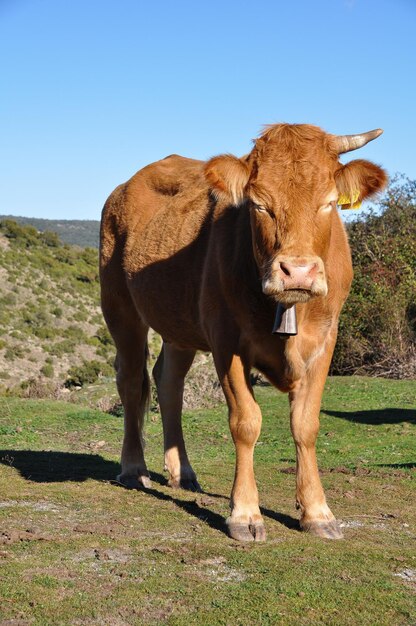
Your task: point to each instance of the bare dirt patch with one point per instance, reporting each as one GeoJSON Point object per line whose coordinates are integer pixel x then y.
{"type": "Point", "coordinates": [15, 536]}
{"type": "Point", "coordinates": [214, 569]}
{"type": "Point", "coordinates": [408, 576]}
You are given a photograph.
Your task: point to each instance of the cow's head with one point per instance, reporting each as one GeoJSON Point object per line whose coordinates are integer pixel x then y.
{"type": "Point", "coordinates": [291, 183]}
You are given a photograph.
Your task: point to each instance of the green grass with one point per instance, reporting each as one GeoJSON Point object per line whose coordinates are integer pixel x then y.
{"type": "Point", "coordinates": [78, 550]}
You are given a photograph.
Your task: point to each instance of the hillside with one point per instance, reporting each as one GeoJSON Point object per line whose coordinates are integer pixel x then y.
{"type": "Point", "coordinates": [84, 233]}
{"type": "Point", "coordinates": [50, 320]}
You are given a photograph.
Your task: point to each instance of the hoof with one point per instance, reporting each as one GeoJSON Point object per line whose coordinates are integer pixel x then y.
{"type": "Point", "coordinates": [135, 482]}
{"type": "Point", "coordinates": [190, 484]}
{"type": "Point", "coordinates": [325, 530]}
{"type": "Point", "coordinates": [246, 532]}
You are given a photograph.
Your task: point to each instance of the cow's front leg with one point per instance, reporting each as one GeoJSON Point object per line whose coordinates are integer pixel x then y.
{"type": "Point", "coordinates": [245, 522]}
{"type": "Point", "coordinates": [305, 403]}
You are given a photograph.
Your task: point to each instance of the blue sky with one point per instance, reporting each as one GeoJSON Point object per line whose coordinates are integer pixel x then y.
{"type": "Point", "coordinates": [92, 90]}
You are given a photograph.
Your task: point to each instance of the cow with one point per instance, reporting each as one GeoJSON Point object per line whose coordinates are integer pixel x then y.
{"type": "Point", "coordinates": [203, 253]}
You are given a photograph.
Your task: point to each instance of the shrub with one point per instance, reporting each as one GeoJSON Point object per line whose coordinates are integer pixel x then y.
{"type": "Point", "coordinates": [14, 352]}
{"type": "Point", "coordinates": [87, 373]}
{"type": "Point", "coordinates": [50, 238]}
{"type": "Point", "coordinates": [43, 284]}
{"type": "Point", "coordinates": [8, 299]}
{"type": "Point", "coordinates": [37, 388]}
{"type": "Point", "coordinates": [75, 333]}
{"type": "Point", "coordinates": [47, 370]}
{"type": "Point", "coordinates": [60, 348]}
{"type": "Point", "coordinates": [103, 336]}
{"type": "Point", "coordinates": [116, 409]}
{"type": "Point", "coordinates": [35, 318]}
{"type": "Point", "coordinates": [25, 236]}
{"type": "Point", "coordinates": [88, 277]}
{"type": "Point", "coordinates": [80, 316]}
{"type": "Point", "coordinates": [106, 352]}
{"type": "Point", "coordinates": [377, 333]}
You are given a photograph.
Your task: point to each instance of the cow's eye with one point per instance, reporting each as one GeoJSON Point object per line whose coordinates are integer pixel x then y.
{"type": "Point", "coordinates": [263, 210]}
{"type": "Point", "coordinates": [260, 208]}
{"type": "Point", "coordinates": [327, 208]}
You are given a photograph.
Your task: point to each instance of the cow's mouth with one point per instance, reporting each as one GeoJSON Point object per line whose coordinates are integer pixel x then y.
{"type": "Point", "coordinates": [291, 296]}
{"type": "Point", "coordinates": [296, 294]}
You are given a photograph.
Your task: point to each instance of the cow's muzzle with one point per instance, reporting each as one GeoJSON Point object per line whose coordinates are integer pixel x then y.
{"type": "Point", "coordinates": [291, 279]}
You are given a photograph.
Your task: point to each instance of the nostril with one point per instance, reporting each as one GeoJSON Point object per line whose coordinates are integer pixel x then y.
{"type": "Point", "coordinates": [285, 269]}
{"type": "Point", "coordinates": [313, 270]}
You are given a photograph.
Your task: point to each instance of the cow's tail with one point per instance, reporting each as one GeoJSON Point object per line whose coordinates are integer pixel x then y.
{"type": "Point", "coordinates": [146, 390]}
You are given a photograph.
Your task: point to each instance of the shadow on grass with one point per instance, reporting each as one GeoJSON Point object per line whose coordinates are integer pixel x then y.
{"type": "Point", "coordinates": [48, 467]}
{"type": "Point", "coordinates": [203, 514]}
{"type": "Point", "coordinates": [397, 465]}
{"type": "Point", "coordinates": [377, 416]}
{"type": "Point", "coordinates": [286, 520]}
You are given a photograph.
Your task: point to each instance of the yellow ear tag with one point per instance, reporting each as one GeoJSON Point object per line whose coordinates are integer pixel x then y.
{"type": "Point", "coordinates": [346, 202]}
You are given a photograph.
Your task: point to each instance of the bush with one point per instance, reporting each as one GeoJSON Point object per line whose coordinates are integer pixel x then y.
{"type": "Point", "coordinates": [87, 373]}
{"type": "Point", "coordinates": [50, 238]}
{"type": "Point", "coordinates": [25, 236]}
{"type": "Point", "coordinates": [8, 299]}
{"type": "Point", "coordinates": [80, 316]}
{"type": "Point", "coordinates": [37, 388]}
{"type": "Point", "coordinates": [75, 334]}
{"type": "Point", "coordinates": [103, 336]}
{"type": "Point", "coordinates": [14, 352]}
{"type": "Point", "coordinates": [377, 333]}
{"type": "Point", "coordinates": [36, 318]}
{"type": "Point", "coordinates": [60, 348]}
{"type": "Point", "coordinates": [47, 370]}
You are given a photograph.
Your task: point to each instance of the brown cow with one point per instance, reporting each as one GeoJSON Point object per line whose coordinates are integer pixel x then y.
{"type": "Point", "coordinates": [202, 252]}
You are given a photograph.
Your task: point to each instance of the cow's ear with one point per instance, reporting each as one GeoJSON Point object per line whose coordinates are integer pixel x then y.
{"type": "Point", "coordinates": [228, 177]}
{"type": "Point", "coordinates": [359, 180]}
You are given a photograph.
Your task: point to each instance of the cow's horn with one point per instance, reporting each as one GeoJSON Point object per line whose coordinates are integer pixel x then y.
{"type": "Point", "coordinates": [346, 143]}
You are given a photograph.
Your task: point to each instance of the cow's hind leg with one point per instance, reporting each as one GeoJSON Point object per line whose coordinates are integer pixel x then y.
{"type": "Point", "coordinates": [305, 402]}
{"type": "Point", "coordinates": [130, 336]}
{"type": "Point", "coordinates": [169, 373]}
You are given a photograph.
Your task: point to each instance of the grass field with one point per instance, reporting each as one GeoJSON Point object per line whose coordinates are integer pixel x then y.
{"type": "Point", "coordinates": [76, 549]}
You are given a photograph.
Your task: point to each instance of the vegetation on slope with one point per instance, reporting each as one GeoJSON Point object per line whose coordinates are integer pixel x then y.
{"type": "Point", "coordinates": [50, 318]}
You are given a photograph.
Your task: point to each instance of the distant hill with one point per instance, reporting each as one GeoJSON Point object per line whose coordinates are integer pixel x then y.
{"type": "Point", "coordinates": [83, 233]}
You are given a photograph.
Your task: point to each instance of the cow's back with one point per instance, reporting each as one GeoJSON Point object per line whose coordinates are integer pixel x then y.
{"type": "Point", "coordinates": [154, 234]}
